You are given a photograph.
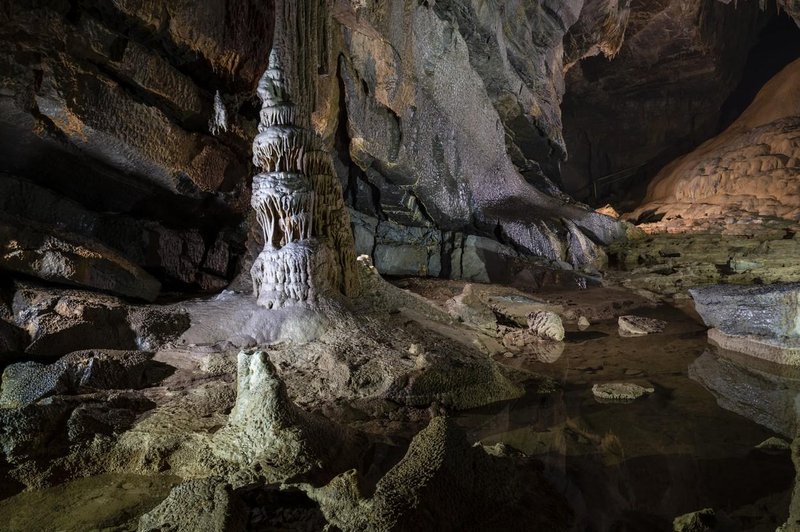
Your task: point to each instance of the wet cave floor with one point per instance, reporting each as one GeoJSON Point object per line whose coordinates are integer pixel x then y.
{"type": "Point", "coordinates": [621, 466]}
{"type": "Point", "coordinates": [641, 464]}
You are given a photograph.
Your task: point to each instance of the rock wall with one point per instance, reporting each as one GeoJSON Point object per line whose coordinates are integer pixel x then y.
{"type": "Point", "coordinates": [751, 169]}
{"type": "Point", "coordinates": [105, 133]}
{"type": "Point", "coordinates": [448, 112]}
{"type": "Point", "coordinates": [128, 123]}
{"type": "Point", "coordinates": [660, 96]}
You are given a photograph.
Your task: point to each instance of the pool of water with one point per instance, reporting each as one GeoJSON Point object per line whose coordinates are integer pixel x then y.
{"type": "Point", "coordinates": [622, 466]}
{"type": "Point", "coordinates": [638, 465]}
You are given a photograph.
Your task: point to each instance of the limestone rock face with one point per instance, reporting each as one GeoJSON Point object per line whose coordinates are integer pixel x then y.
{"type": "Point", "coordinates": [63, 259]}
{"type": "Point", "coordinates": [60, 321]}
{"type": "Point", "coordinates": [204, 505]}
{"type": "Point", "coordinates": [442, 482]}
{"type": "Point", "coordinates": [628, 117]}
{"type": "Point", "coordinates": [27, 382]}
{"type": "Point", "coordinates": [180, 255]}
{"type": "Point", "coordinates": [106, 107]}
{"type": "Point", "coordinates": [748, 170]}
{"type": "Point", "coordinates": [758, 320]}
{"type": "Point", "coordinates": [439, 111]}
{"type": "Point", "coordinates": [49, 426]}
{"type": "Point", "coordinates": [772, 311]}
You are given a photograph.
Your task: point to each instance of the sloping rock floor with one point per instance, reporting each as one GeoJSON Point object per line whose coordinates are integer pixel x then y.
{"type": "Point", "coordinates": [130, 429]}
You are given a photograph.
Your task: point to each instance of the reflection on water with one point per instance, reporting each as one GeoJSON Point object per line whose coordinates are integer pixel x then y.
{"type": "Point", "coordinates": [760, 390]}
{"type": "Point", "coordinates": [636, 466]}
{"type": "Point", "coordinates": [623, 467]}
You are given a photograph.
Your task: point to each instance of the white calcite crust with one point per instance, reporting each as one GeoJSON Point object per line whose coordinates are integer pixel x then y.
{"type": "Point", "coordinates": [308, 245]}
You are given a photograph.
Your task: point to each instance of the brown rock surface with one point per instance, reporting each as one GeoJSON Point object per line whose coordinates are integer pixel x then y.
{"type": "Point", "coordinates": [669, 264]}
{"type": "Point", "coordinates": [107, 106]}
{"type": "Point", "coordinates": [34, 250]}
{"type": "Point", "coordinates": [749, 170]}
{"type": "Point", "coordinates": [660, 96]}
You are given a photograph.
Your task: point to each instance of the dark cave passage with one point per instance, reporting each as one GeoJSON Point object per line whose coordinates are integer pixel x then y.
{"type": "Point", "coordinates": [778, 45]}
{"type": "Point", "coordinates": [628, 117]}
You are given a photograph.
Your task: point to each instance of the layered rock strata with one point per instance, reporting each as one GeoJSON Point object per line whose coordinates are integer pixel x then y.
{"type": "Point", "coordinates": [763, 321]}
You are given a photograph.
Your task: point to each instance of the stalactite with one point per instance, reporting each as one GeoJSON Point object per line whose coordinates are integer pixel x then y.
{"type": "Point", "coordinates": [298, 204]}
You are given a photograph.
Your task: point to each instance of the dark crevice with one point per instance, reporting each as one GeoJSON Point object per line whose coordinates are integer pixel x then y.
{"type": "Point", "coordinates": [356, 184]}
{"type": "Point", "coordinates": [778, 45]}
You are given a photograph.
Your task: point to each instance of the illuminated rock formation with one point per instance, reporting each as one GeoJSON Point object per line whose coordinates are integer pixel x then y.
{"type": "Point", "coordinates": [749, 170]}
{"type": "Point", "coordinates": [308, 246]}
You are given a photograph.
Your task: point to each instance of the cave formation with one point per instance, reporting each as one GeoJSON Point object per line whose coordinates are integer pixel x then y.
{"type": "Point", "coordinates": [451, 265]}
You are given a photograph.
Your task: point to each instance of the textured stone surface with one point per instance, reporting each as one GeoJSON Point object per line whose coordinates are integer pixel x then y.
{"type": "Point", "coordinates": [483, 260]}
{"type": "Point", "coordinates": [700, 521]}
{"type": "Point", "coordinates": [107, 106]}
{"type": "Point", "coordinates": [27, 382]}
{"type": "Point", "coordinates": [307, 249]}
{"type": "Point", "coordinates": [546, 325]}
{"type": "Point", "coordinates": [431, 127]}
{"type": "Point", "coordinates": [375, 359]}
{"type": "Point", "coordinates": [400, 250]}
{"type": "Point", "coordinates": [49, 426]}
{"type": "Point", "coordinates": [442, 482]}
{"type": "Point", "coordinates": [770, 311]}
{"type": "Point", "coordinates": [669, 264]}
{"type": "Point", "coordinates": [205, 505]}
{"type": "Point", "coordinates": [639, 325]}
{"type": "Point", "coordinates": [778, 350]}
{"type": "Point", "coordinates": [96, 502]}
{"type": "Point", "coordinates": [620, 391]}
{"type": "Point", "coordinates": [267, 430]}
{"type": "Point", "coordinates": [468, 308]}
{"type": "Point", "coordinates": [60, 258]}
{"type": "Point", "coordinates": [748, 170]}
{"type": "Point", "coordinates": [177, 255]}
{"type": "Point", "coordinates": [62, 321]}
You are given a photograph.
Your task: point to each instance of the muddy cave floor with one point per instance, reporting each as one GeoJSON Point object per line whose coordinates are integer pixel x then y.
{"type": "Point", "coordinates": [609, 466]}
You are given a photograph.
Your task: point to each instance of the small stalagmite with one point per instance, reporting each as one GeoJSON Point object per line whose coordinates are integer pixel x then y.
{"type": "Point", "coordinates": [308, 245]}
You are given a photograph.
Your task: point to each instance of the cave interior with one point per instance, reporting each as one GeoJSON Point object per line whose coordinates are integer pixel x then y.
{"type": "Point", "coordinates": [280, 265]}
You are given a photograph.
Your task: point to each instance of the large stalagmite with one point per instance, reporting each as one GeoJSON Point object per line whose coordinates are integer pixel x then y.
{"type": "Point", "coordinates": [308, 246]}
